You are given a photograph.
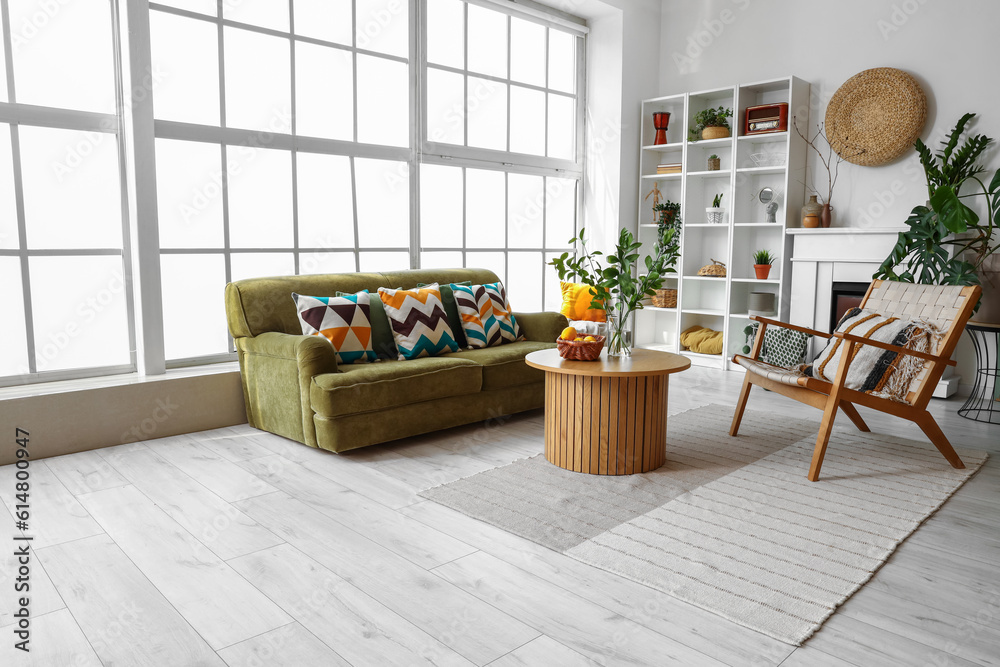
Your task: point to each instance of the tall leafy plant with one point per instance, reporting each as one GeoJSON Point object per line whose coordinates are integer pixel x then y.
{"type": "Point", "coordinates": [618, 286]}
{"type": "Point", "coordinates": [947, 242]}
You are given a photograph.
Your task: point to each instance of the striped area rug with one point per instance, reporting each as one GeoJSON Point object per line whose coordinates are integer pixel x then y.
{"type": "Point", "coordinates": [731, 524]}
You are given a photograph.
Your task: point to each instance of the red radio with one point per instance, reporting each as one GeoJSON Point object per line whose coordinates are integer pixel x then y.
{"type": "Point", "coordinates": [766, 118]}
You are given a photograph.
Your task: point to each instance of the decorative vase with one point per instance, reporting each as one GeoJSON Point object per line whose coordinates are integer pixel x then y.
{"type": "Point", "coordinates": [713, 132]}
{"type": "Point", "coordinates": [812, 209]}
{"type": "Point", "coordinates": [619, 342]}
{"type": "Point", "coordinates": [761, 304]}
{"type": "Point", "coordinates": [661, 120]}
{"type": "Point", "coordinates": [715, 216]}
{"type": "Point", "coordinates": [826, 217]}
{"type": "Point", "coordinates": [762, 270]}
{"type": "Point", "coordinates": [714, 164]}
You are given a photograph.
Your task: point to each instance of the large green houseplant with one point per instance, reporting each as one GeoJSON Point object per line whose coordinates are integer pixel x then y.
{"type": "Point", "coordinates": [948, 243]}
{"type": "Point", "coordinates": [619, 287]}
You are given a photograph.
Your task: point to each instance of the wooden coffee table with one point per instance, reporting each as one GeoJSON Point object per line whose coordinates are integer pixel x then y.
{"type": "Point", "coordinates": [607, 417]}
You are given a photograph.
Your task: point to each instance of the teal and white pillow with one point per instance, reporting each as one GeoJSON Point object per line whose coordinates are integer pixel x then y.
{"type": "Point", "coordinates": [419, 322]}
{"type": "Point", "coordinates": [510, 331]}
{"type": "Point", "coordinates": [343, 320]}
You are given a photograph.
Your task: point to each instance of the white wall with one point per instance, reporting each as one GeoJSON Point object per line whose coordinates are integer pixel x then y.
{"type": "Point", "coordinates": [950, 47]}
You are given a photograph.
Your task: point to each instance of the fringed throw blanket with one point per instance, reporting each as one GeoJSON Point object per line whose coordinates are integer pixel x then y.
{"type": "Point", "coordinates": [873, 370]}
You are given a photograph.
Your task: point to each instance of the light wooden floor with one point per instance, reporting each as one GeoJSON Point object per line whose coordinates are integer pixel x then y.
{"type": "Point", "coordinates": [236, 547]}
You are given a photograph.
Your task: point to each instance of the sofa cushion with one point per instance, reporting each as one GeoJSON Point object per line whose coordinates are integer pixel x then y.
{"type": "Point", "coordinates": [388, 384]}
{"type": "Point", "coordinates": [504, 366]}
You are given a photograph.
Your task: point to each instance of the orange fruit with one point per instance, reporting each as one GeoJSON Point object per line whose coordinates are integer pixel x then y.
{"type": "Point", "coordinates": [590, 339]}
{"type": "Point", "coordinates": [569, 333]}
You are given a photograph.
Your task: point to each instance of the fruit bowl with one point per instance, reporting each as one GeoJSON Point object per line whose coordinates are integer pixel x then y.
{"type": "Point", "coordinates": [581, 350]}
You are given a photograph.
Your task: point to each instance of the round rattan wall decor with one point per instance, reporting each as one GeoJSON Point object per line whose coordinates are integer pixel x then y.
{"type": "Point", "coordinates": [876, 116]}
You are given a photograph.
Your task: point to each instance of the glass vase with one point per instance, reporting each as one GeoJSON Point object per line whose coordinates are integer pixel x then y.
{"type": "Point", "coordinates": [619, 343]}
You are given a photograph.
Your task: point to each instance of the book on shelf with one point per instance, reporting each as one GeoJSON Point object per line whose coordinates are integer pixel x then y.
{"type": "Point", "coordinates": [669, 168]}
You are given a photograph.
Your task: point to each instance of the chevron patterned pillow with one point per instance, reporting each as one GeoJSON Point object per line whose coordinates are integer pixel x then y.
{"type": "Point", "coordinates": [478, 313]}
{"type": "Point", "coordinates": [419, 322]}
{"type": "Point", "coordinates": [343, 320]}
{"type": "Point", "coordinates": [509, 328]}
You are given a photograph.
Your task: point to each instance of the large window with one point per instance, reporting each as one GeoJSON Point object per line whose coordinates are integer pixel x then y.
{"type": "Point", "coordinates": [63, 292]}
{"type": "Point", "coordinates": [307, 136]}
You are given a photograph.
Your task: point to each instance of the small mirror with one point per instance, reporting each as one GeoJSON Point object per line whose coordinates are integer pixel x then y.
{"type": "Point", "coordinates": [769, 198]}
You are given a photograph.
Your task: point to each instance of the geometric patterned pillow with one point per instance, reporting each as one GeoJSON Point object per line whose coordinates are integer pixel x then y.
{"type": "Point", "coordinates": [479, 321]}
{"type": "Point", "coordinates": [343, 320]}
{"type": "Point", "coordinates": [419, 322]}
{"type": "Point", "coordinates": [510, 331]}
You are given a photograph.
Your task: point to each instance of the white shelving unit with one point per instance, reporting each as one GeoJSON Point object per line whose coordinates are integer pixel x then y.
{"type": "Point", "coordinates": [721, 303]}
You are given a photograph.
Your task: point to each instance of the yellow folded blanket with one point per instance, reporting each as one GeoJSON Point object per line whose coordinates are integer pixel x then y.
{"type": "Point", "coordinates": [702, 340]}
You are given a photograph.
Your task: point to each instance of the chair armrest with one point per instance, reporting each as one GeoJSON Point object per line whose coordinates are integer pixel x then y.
{"type": "Point", "coordinates": [893, 348]}
{"type": "Point", "coordinates": [277, 371]}
{"type": "Point", "coordinates": [785, 325]}
{"type": "Point", "coordinates": [544, 327]}
{"type": "Point", "coordinates": [313, 354]}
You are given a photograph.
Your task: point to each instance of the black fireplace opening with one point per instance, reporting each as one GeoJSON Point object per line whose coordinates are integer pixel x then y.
{"type": "Point", "coordinates": [843, 297]}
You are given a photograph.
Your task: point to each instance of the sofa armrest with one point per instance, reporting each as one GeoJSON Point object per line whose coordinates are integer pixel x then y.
{"type": "Point", "coordinates": [277, 371]}
{"type": "Point", "coordinates": [544, 327]}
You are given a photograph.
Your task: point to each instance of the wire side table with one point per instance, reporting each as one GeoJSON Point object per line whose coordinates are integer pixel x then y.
{"type": "Point", "coordinates": [983, 404]}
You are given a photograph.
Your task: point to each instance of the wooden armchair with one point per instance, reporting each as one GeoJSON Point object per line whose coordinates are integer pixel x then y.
{"type": "Point", "coordinates": [946, 306]}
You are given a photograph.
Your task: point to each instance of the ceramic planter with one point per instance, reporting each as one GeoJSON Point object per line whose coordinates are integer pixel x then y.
{"type": "Point", "coordinates": [715, 216]}
{"type": "Point", "coordinates": [762, 270]}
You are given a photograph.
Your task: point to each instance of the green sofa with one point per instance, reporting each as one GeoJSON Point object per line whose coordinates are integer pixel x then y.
{"type": "Point", "coordinates": [293, 386]}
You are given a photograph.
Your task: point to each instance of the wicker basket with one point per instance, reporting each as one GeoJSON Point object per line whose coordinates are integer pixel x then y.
{"type": "Point", "coordinates": [579, 350]}
{"type": "Point", "coordinates": [714, 270]}
{"type": "Point", "coordinates": [665, 298]}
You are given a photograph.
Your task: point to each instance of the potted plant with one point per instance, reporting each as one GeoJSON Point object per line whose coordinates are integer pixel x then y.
{"type": "Point", "coordinates": [762, 261]}
{"type": "Point", "coordinates": [618, 288]}
{"type": "Point", "coordinates": [948, 243]}
{"type": "Point", "coordinates": [666, 212]}
{"type": "Point", "coordinates": [711, 124]}
{"type": "Point", "coordinates": [714, 163]}
{"type": "Point", "coordinates": [715, 213]}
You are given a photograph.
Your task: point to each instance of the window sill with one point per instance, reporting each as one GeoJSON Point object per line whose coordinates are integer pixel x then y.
{"type": "Point", "coordinates": [104, 381]}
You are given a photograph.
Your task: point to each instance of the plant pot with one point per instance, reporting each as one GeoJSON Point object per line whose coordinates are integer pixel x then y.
{"type": "Point", "coordinates": [714, 165]}
{"type": "Point", "coordinates": [989, 304]}
{"type": "Point", "coordinates": [715, 216]}
{"type": "Point", "coordinates": [667, 217]}
{"type": "Point", "coordinates": [715, 132]}
{"type": "Point", "coordinates": [762, 270]}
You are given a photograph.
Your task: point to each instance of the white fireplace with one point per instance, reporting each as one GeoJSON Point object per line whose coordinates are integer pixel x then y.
{"type": "Point", "coordinates": [822, 257]}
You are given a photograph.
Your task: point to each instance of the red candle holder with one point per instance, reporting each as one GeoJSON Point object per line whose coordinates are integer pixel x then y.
{"type": "Point", "coordinates": [661, 119]}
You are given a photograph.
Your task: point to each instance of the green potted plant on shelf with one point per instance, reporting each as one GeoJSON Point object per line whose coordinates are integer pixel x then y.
{"type": "Point", "coordinates": [711, 124]}
{"type": "Point", "coordinates": [714, 163]}
{"type": "Point", "coordinates": [715, 214]}
{"type": "Point", "coordinates": [762, 261]}
{"type": "Point", "coordinates": [619, 288]}
{"type": "Point", "coordinates": [947, 241]}
{"type": "Point", "coordinates": [666, 212]}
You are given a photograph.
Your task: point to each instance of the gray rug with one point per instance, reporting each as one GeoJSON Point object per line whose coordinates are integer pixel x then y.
{"type": "Point", "coordinates": [731, 524]}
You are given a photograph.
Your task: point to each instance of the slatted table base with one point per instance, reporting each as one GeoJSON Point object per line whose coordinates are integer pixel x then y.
{"type": "Point", "coordinates": [606, 425]}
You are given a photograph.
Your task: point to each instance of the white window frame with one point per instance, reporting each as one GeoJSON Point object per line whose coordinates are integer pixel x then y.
{"type": "Point", "coordinates": [136, 131]}
{"type": "Point", "coordinates": [453, 155]}
{"type": "Point", "coordinates": [16, 114]}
